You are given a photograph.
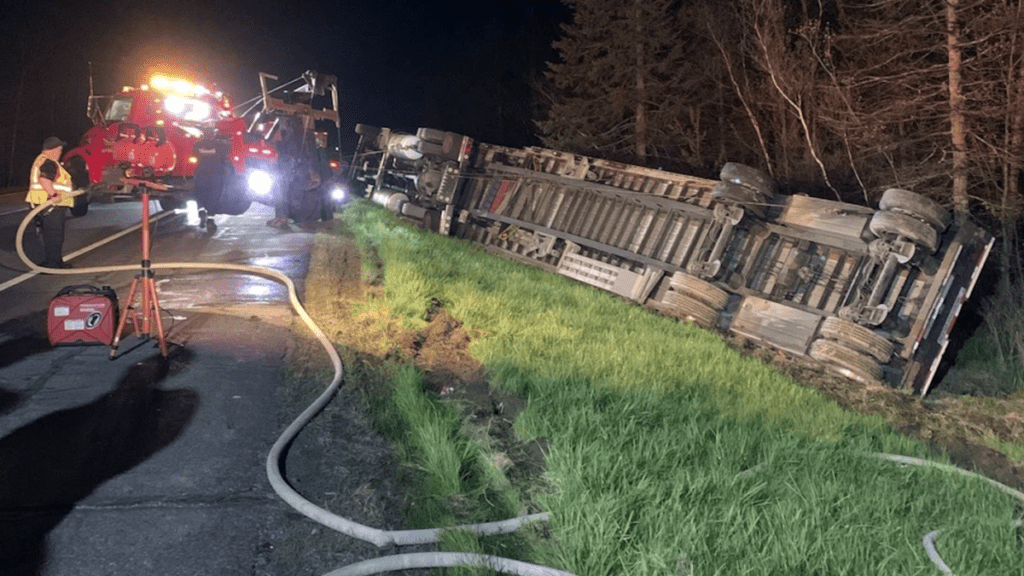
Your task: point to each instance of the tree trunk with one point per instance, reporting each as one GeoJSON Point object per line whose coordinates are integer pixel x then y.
{"type": "Point", "coordinates": [641, 87]}
{"type": "Point", "coordinates": [1010, 208]}
{"type": "Point", "coordinates": [956, 113]}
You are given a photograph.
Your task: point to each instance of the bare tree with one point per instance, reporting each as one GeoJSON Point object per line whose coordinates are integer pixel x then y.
{"type": "Point", "coordinates": [852, 97]}
{"type": "Point", "coordinates": [788, 75]}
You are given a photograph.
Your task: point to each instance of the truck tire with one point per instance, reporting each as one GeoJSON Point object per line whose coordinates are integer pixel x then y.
{"type": "Point", "coordinates": [76, 167]}
{"type": "Point", "coordinates": [81, 206]}
{"type": "Point", "coordinates": [885, 223]}
{"type": "Point", "coordinates": [748, 177]}
{"type": "Point", "coordinates": [432, 149]}
{"type": "Point", "coordinates": [367, 130]}
{"type": "Point", "coordinates": [916, 205]}
{"type": "Point", "coordinates": [860, 338]}
{"type": "Point", "coordinates": [431, 134]}
{"type": "Point", "coordinates": [327, 206]}
{"type": "Point", "coordinates": [79, 172]}
{"type": "Point", "coordinates": [689, 309]}
{"type": "Point", "coordinates": [731, 193]}
{"type": "Point", "coordinates": [846, 361]}
{"type": "Point", "coordinates": [699, 289]}
{"type": "Point", "coordinates": [168, 203]}
{"type": "Point", "coordinates": [432, 220]}
{"type": "Point", "coordinates": [233, 199]}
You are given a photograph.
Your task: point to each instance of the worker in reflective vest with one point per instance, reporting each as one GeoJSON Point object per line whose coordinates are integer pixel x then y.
{"type": "Point", "coordinates": [50, 181]}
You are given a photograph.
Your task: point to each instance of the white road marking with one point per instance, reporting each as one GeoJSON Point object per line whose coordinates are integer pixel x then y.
{"type": "Point", "coordinates": [28, 275]}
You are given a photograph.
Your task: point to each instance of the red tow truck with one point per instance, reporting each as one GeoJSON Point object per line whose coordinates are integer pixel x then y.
{"type": "Point", "coordinates": [150, 132]}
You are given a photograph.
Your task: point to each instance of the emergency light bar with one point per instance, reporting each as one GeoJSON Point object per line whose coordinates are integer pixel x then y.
{"type": "Point", "coordinates": [179, 85]}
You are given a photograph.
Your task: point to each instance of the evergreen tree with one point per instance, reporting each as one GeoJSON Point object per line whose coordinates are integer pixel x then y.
{"type": "Point", "coordinates": [619, 90]}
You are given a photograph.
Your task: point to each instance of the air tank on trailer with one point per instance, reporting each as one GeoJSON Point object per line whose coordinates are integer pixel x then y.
{"type": "Point", "coordinates": [391, 199]}
{"type": "Point", "coordinates": [404, 146]}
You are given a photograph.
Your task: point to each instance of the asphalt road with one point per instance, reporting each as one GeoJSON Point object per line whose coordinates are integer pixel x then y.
{"type": "Point", "coordinates": [135, 465]}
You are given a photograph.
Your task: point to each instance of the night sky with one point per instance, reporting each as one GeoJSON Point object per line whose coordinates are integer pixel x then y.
{"type": "Point", "coordinates": [400, 63]}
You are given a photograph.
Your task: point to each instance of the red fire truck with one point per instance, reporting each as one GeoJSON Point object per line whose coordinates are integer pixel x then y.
{"type": "Point", "coordinates": [150, 132]}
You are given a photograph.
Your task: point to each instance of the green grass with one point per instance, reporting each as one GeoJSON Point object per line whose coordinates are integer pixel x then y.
{"type": "Point", "coordinates": [996, 373]}
{"type": "Point", "coordinates": [651, 425]}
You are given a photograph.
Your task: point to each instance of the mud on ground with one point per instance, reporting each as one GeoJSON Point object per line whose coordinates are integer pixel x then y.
{"type": "Point", "coordinates": [440, 350]}
{"type": "Point", "coordinates": [956, 425]}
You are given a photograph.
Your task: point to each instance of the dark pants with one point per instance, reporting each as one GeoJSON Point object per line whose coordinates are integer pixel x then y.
{"type": "Point", "coordinates": [53, 236]}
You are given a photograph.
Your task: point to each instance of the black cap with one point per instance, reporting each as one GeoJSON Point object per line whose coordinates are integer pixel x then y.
{"type": "Point", "coordinates": [53, 142]}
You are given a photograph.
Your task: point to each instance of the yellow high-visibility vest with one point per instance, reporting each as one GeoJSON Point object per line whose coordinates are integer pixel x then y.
{"type": "Point", "coordinates": [36, 192]}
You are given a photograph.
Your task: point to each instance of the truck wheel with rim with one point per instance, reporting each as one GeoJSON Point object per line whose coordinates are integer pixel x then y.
{"type": "Point", "coordinates": [689, 309]}
{"type": "Point", "coordinates": [916, 205]}
{"type": "Point", "coordinates": [885, 223]}
{"type": "Point", "coordinates": [846, 361]}
{"type": "Point", "coordinates": [699, 289]}
{"type": "Point", "coordinates": [860, 338]}
{"type": "Point", "coordinates": [748, 177]}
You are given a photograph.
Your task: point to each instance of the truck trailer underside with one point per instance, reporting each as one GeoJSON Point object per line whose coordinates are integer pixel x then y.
{"type": "Point", "coordinates": [872, 294]}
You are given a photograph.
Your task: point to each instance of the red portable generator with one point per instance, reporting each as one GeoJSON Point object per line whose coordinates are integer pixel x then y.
{"type": "Point", "coordinates": [83, 315]}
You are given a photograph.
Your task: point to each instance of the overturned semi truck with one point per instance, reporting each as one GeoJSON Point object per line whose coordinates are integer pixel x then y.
{"type": "Point", "coordinates": [870, 293]}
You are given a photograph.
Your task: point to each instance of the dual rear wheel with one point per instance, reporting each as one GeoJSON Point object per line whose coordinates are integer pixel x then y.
{"type": "Point", "coordinates": [851, 349]}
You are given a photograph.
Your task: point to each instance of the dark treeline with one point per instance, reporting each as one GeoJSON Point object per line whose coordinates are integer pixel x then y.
{"type": "Point", "coordinates": [839, 98]}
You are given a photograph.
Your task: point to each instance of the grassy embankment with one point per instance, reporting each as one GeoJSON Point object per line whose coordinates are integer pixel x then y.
{"type": "Point", "coordinates": [670, 453]}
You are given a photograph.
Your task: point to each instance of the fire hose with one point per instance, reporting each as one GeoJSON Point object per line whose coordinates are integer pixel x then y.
{"type": "Point", "coordinates": [380, 538]}
{"type": "Point", "coordinates": [386, 538]}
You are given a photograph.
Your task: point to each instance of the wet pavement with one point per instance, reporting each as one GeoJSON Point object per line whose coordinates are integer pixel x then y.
{"type": "Point", "coordinates": [141, 465]}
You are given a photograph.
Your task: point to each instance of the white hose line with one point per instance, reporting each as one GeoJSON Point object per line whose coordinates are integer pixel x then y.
{"type": "Point", "coordinates": [37, 269]}
{"type": "Point", "coordinates": [933, 554]}
{"type": "Point", "coordinates": [929, 538]}
{"type": "Point", "coordinates": [900, 459]}
{"type": "Point", "coordinates": [444, 560]}
{"type": "Point", "coordinates": [381, 538]}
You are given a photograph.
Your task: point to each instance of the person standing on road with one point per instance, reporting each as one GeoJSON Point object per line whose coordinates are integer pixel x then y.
{"type": "Point", "coordinates": [50, 181]}
{"type": "Point", "coordinates": [212, 152]}
{"type": "Point", "coordinates": [283, 141]}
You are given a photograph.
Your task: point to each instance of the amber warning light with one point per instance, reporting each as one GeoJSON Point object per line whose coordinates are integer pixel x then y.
{"type": "Point", "coordinates": [179, 85]}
